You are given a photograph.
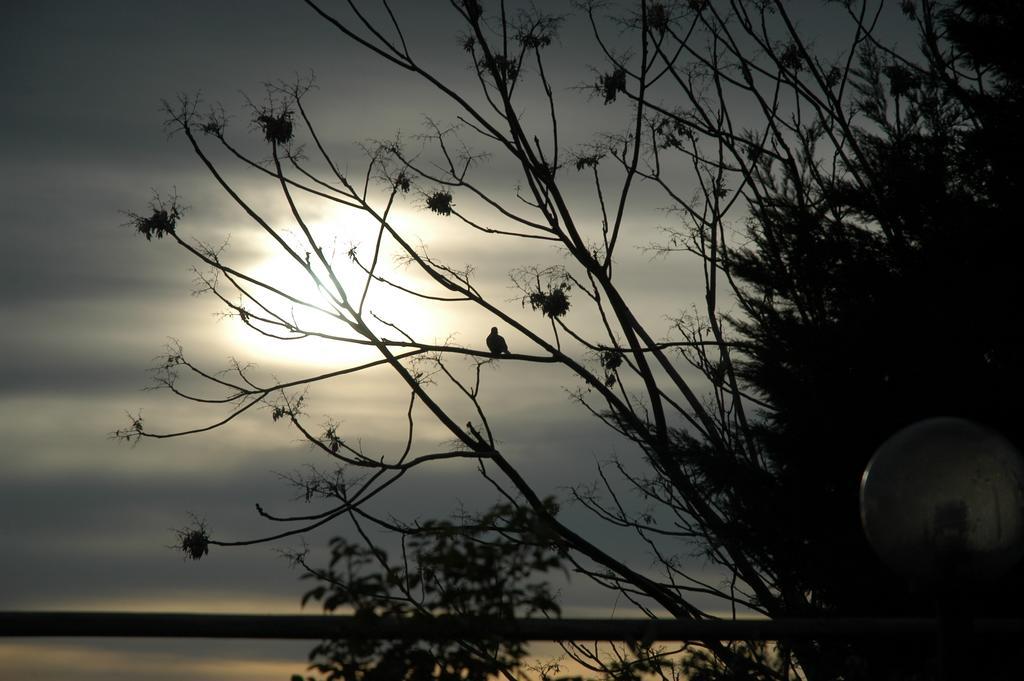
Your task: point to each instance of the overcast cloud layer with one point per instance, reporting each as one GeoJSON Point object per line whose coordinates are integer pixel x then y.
{"type": "Point", "coordinates": [85, 306]}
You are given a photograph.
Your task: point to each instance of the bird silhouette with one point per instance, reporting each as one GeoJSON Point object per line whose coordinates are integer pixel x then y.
{"type": "Point", "coordinates": [496, 344]}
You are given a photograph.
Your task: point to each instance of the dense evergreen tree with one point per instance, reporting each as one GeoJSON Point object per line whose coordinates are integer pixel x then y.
{"type": "Point", "coordinates": [882, 299]}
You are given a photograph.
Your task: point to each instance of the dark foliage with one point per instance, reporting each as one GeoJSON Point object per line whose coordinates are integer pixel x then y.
{"type": "Point", "coordinates": [500, 67]}
{"type": "Point", "coordinates": [872, 304]}
{"type": "Point", "coordinates": [658, 17]}
{"type": "Point", "coordinates": [194, 542]}
{"type": "Point", "coordinates": [610, 361]}
{"type": "Point", "coordinates": [440, 202]}
{"type": "Point", "coordinates": [588, 161]}
{"type": "Point", "coordinates": [490, 566]}
{"type": "Point", "coordinates": [160, 222]}
{"type": "Point", "coordinates": [611, 84]}
{"type": "Point", "coordinates": [277, 127]}
{"type": "Point", "coordinates": [553, 302]}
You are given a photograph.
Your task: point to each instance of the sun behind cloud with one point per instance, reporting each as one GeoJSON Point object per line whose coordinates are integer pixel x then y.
{"type": "Point", "coordinates": [309, 313]}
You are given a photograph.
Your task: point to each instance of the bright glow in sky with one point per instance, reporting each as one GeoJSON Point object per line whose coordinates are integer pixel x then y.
{"type": "Point", "coordinates": [391, 305]}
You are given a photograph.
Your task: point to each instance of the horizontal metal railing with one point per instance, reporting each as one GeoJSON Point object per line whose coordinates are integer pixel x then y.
{"type": "Point", "coordinates": [185, 625]}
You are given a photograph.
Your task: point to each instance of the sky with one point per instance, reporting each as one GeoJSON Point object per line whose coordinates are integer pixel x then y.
{"type": "Point", "coordinates": [86, 306]}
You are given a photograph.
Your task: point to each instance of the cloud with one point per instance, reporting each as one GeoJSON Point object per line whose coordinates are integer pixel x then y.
{"type": "Point", "coordinates": [95, 541]}
{"type": "Point", "coordinates": [87, 305]}
{"type": "Point", "coordinates": [163, 660]}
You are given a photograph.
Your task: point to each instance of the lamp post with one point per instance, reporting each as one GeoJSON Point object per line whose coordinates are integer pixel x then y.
{"type": "Point", "coordinates": [942, 504]}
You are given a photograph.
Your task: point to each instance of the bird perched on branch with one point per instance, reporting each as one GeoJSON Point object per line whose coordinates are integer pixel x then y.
{"type": "Point", "coordinates": [496, 344]}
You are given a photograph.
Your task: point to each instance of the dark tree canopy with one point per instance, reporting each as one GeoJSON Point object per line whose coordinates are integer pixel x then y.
{"type": "Point", "coordinates": [882, 299]}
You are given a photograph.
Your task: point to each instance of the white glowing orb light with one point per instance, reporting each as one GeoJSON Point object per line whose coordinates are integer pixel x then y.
{"type": "Point", "coordinates": [942, 501]}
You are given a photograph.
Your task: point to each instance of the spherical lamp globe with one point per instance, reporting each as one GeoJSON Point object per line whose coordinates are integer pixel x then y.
{"type": "Point", "coordinates": [942, 502]}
